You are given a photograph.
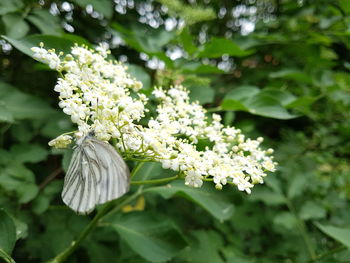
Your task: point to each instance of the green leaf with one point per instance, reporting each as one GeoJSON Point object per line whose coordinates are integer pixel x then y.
{"type": "Point", "coordinates": [57, 124]}
{"type": "Point", "coordinates": [283, 96]}
{"type": "Point", "coordinates": [27, 193]}
{"type": "Point", "coordinates": [312, 210]}
{"type": "Point", "coordinates": [154, 238]}
{"type": "Point", "coordinates": [63, 43]}
{"type": "Point", "coordinates": [31, 153]}
{"type": "Point", "coordinates": [9, 6]}
{"type": "Point", "coordinates": [6, 257]}
{"type": "Point", "coordinates": [45, 22]}
{"type": "Point", "coordinates": [302, 104]}
{"type": "Point", "coordinates": [15, 26]}
{"type": "Point", "coordinates": [5, 114]}
{"type": "Point", "coordinates": [207, 197]}
{"type": "Point", "coordinates": [187, 41]}
{"type": "Point", "coordinates": [345, 5]}
{"type": "Point", "coordinates": [143, 38]}
{"type": "Point", "coordinates": [267, 106]}
{"type": "Point", "coordinates": [217, 47]}
{"type": "Point", "coordinates": [233, 105]}
{"type": "Point", "coordinates": [340, 234]}
{"type": "Point", "coordinates": [267, 196]}
{"type": "Point", "coordinates": [104, 7]}
{"type": "Point", "coordinates": [199, 68]}
{"type": "Point", "coordinates": [286, 220]}
{"type": "Point", "coordinates": [292, 74]}
{"type": "Point", "coordinates": [20, 180]}
{"type": "Point", "coordinates": [99, 252]}
{"type": "Point", "coordinates": [296, 186]}
{"type": "Point", "coordinates": [266, 102]}
{"type": "Point", "coordinates": [141, 75]}
{"type": "Point", "coordinates": [243, 92]}
{"type": "Point", "coordinates": [61, 227]}
{"type": "Point", "coordinates": [7, 232]}
{"type": "Point", "coordinates": [205, 247]}
{"type": "Point", "coordinates": [18, 105]}
{"type": "Point", "coordinates": [151, 170]}
{"type": "Point", "coordinates": [202, 94]}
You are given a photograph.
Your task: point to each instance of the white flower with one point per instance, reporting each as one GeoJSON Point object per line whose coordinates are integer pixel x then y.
{"type": "Point", "coordinates": [100, 96]}
{"type": "Point", "coordinates": [193, 179]}
{"type": "Point", "coordinates": [61, 141]}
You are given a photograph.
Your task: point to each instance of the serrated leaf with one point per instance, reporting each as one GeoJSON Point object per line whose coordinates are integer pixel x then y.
{"type": "Point", "coordinates": [154, 238]}
{"type": "Point", "coordinates": [207, 197]}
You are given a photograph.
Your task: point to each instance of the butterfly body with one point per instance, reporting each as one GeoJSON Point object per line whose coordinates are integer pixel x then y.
{"type": "Point", "coordinates": [96, 174]}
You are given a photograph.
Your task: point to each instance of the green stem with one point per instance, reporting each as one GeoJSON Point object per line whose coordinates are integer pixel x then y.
{"type": "Point", "coordinates": [328, 253]}
{"type": "Point", "coordinates": [216, 109]}
{"type": "Point", "coordinates": [137, 160]}
{"type": "Point", "coordinates": [302, 229]}
{"type": "Point", "coordinates": [107, 209]}
{"type": "Point", "coordinates": [136, 169]}
{"type": "Point", "coordinates": [156, 181]}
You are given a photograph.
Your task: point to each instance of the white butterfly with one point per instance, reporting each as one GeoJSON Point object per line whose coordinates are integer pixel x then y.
{"type": "Point", "coordinates": [96, 175]}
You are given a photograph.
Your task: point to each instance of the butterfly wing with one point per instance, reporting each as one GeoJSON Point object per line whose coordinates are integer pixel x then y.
{"type": "Point", "coordinates": [96, 175]}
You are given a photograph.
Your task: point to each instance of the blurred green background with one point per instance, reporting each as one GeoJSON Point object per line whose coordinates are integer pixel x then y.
{"type": "Point", "coordinates": [273, 68]}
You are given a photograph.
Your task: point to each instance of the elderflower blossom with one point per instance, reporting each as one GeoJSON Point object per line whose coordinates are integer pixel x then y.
{"type": "Point", "coordinates": [100, 96]}
{"type": "Point", "coordinates": [61, 141]}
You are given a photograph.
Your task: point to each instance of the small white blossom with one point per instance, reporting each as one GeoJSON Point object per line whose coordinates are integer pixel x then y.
{"type": "Point", "coordinates": [61, 141]}
{"type": "Point", "coordinates": [100, 96]}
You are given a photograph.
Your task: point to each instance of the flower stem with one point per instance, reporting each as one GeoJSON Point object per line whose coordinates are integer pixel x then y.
{"type": "Point", "coordinates": [216, 109]}
{"type": "Point", "coordinates": [328, 253]}
{"type": "Point", "coordinates": [156, 181]}
{"type": "Point", "coordinates": [107, 209]}
{"type": "Point", "coordinates": [302, 228]}
{"type": "Point", "coordinates": [136, 169]}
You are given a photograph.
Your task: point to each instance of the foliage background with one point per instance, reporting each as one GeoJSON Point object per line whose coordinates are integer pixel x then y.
{"type": "Point", "coordinates": [274, 68]}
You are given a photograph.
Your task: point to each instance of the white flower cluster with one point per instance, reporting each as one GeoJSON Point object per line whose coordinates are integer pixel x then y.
{"type": "Point", "coordinates": [181, 126]}
{"type": "Point", "coordinates": [100, 96]}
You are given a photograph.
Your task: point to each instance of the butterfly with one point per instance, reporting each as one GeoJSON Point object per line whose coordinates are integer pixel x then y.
{"type": "Point", "coordinates": [96, 174]}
